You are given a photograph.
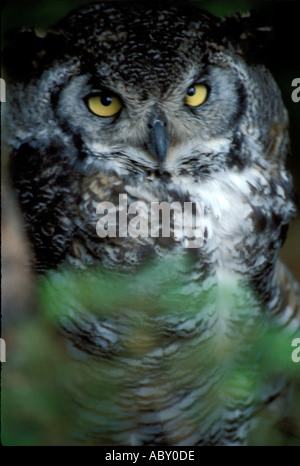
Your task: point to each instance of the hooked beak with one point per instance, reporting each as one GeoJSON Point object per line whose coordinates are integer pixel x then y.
{"type": "Point", "coordinates": [159, 140]}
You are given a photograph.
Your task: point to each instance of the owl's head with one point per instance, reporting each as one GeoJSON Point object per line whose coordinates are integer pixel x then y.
{"type": "Point", "coordinates": [146, 89]}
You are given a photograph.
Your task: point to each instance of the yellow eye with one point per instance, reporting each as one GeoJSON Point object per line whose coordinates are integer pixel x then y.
{"type": "Point", "coordinates": [104, 105]}
{"type": "Point", "coordinates": [196, 95]}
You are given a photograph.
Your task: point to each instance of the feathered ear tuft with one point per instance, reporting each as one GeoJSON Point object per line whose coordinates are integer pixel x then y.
{"type": "Point", "coordinates": [250, 34]}
{"type": "Point", "coordinates": [29, 50]}
{"type": "Point", "coordinates": [262, 36]}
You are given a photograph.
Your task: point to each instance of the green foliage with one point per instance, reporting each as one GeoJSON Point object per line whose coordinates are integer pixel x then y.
{"type": "Point", "coordinates": [36, 409]}
{"type": "Point", "coordinates": [221, 9]}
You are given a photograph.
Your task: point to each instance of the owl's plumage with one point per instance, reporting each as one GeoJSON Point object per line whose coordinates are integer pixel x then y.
{"type": "Point", "coordinates": [227, 153]}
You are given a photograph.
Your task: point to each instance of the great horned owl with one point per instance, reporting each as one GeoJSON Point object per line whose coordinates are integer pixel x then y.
{"type": "Point", "coordinates": [159, 104]}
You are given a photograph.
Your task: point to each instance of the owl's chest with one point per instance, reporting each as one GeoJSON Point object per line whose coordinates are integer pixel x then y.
{"type": "Point", "coordinates": [176, 319]}
{"type": "Point", "coordinates": [120, 222]}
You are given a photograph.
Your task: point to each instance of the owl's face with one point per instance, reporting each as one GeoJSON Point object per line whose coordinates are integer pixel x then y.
{"type": "Point", "coordinates": [149, 127]}
{"type": "Point", "coordinates": [151, 99]}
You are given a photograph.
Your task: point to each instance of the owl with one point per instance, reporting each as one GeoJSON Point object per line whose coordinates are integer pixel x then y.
{"type": "Point", "coordinates": [121, 108]}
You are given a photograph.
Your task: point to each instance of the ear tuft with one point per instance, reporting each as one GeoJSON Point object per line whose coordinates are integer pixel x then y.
{"type": "Point", "coordinates": [250, 34]}
{"type": "Point", "coordinates": [29, 51]}
{"type": "Point", "coordinates": [262, 36]}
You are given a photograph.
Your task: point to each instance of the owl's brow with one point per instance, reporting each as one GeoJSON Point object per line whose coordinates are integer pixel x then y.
{"type": "Point", "coordinates": [193, 76]}
{"type": "Point", "coordinates": [99, 83]}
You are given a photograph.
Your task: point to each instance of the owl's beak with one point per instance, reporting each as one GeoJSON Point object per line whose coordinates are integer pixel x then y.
{"type": "Point", "coordinates": [159, 141]}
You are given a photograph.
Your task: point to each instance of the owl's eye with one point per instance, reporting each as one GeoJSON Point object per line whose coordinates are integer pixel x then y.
{"type": "Point", "coordinates": [196, 95]}
{"type": "Point", "coordinates": [104, 104]}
